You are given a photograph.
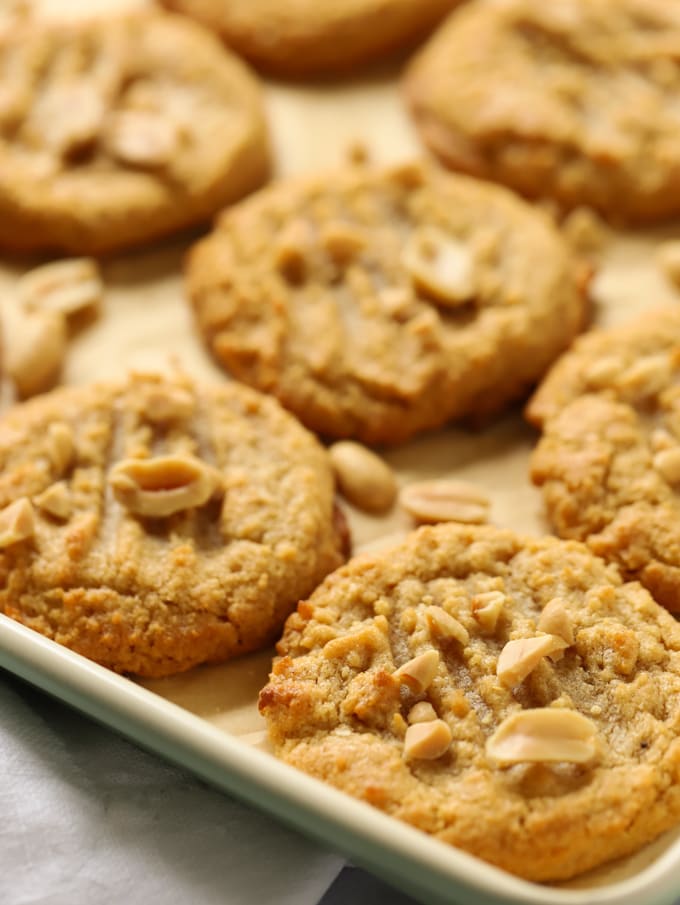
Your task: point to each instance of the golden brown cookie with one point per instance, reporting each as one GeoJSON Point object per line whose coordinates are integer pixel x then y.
{"type": "Point", "coordinates": [376, 303]}
{"type": "Point", "coordinates": [509, 696]}
{"type": "Point", "coordinates": [609, 460]}
{"type": "Point", "coordinates": [572, 99]}
{"type": "Point", "coordinates": [305, 37]}
{"type": "Point", "coordinates": [152, 525]}
{"type": "Point", "coordinates": [117, 131]}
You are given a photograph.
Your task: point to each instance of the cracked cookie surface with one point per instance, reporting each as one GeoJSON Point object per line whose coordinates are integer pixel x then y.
{"type": "Point", "coordinates": [573, 99]}
{"type": "Point", "coordinates": [116, 131]}
{"type": "Point", "coordinates": [376, 303]}
{"type": "Point", "coordinates": [510, 696]}
{"type": "Point", "coordinates": [152, 524]}
{"type": "Point", "coordinates": [609, 459]}
{"type": "Point", "coordinates": [304, 37]}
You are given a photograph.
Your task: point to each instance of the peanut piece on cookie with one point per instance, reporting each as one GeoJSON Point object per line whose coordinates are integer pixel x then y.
{"type": "Point", "coordinates": [543, 735]}
{"type": "Point", "coordinates": [441, 266]}
{"type": "Point", "coordinates": [667, 463]}
{"type": "Point", "coordinates": [17, 522]}
{"type": "Point", "coordinates": [60, 445]}
{"type": "Point", "coordinates": [427, 741]}
{"type": "Point", "coordinates": [520, 657]}
{"type": "Point", "coordinates": [163, 485]}
{"type": "Point", "coordinates": [142, 138]}
{"type": "Point", "coordinates": [363, 477]}
{"type": "Point", "coordinates": [555, 620]}
{"type": "Point", "coordinates": [445, 501]}
{"type": "Point", "coordinates": [422, 712]}
{"type": "Point", "coordinates": [419, 672]}
{"type": "Point", "coordinates": [445, 625]}
{"type": "Point", "coordinates": [56, 501]}
{"type": "Point", "coordinates": [487, 608]}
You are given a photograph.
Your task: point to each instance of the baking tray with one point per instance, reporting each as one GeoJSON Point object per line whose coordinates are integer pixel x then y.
{"type": "Point", "coordinates": [207, 719]}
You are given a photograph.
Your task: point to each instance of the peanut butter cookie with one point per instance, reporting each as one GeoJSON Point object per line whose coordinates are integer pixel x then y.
{"type": "Point", "coordinates": [305, 37]}
{"type": "Point", "coordinates": [117, 131]}
{"type": "Point", "coordinates": [376, 303]}
{"type": "Point", "coordinates": [510, 696]}
{"type": "Point", "coordinates": [152, 525]}
{"type": "Point", "coordinates": [572, 99]}
{"type": "Point", "coordinates": [609, 459]}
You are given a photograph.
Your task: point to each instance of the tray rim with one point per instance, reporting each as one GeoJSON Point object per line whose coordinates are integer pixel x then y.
{"type": "Point", "coordinates": [402, 855]}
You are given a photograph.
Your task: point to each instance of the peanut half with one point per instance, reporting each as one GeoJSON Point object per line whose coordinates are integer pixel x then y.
{"type": "Point", "coordinates": [35, 349]}
{"type": "Point", "coordinates": [555, 620]}
{"type": "Point", "coordinates": [487, 608]}
{"type": "Point", "coordinates": [518, 658]}
{"type": "Point", "coordinates": [441, 266]}
{"type": "Point", "coordinates": [445, 501]}
{"type": "Point", "coordinates": [419, 672]}
{"type": "Point", "coordinates": [17, 522]}
{"type": "Point", "coordinates": [363, 477]}
{"type": "Point", "coordinates": [427, 741]}
{"type": "Point", "coordinates": [543, 735]}
{"type": "Point", "coordinates": [163, 485]}
{"type": "Point", "coordinates": [445, 625]}
{"type": "Point", "coordinates": [65, 287]}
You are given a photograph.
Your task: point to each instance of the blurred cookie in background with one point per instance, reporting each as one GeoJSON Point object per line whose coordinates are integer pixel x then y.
{"type": "Point", "coordinates": [305, 37]}
{"type": "Point", "coordinates": [573, 99]}
{"type": "Point", "coordinates": [115, 131]}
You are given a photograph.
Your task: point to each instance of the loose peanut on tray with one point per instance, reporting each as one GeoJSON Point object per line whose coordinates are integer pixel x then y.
{"type": "Point", "coordinates": [34, 355]}
{"type": "Point", "coordinates": [445, 501]}
{"type": "Point", "coordinates": [66, 287]}
{"type": "Point", "coordinates": [363, 477]}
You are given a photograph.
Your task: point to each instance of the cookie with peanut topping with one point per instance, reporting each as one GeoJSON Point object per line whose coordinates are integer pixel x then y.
{"type": "Point", "coordinates": [376, 303]}
{"type": "Point", "coordinates": [306, 38]}
{"type": "Point", "coordinates": [572, 100]}
{"type": "Point", "coordinates": [510, 696]}
{"type": "Point", "coordinates": [153, 525]}
{"type": "Point", "coordinates": [608, 462]}
{"type": "Point", "coordinates": [119, 130]}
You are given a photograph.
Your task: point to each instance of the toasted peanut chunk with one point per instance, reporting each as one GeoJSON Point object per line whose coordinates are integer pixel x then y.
{"type": "Point", "coordinates": [163, 403]}
{"type": "Point", "coordinates": [660, 439]}
{"type": "Point", "coordinates": [422, 712]}
{"type": "Point", "coordinates": [55, 500]}
{"type": "Point", "coordinates": [35, 348]}
{"type": "Point", "coordinates": [604, 371]}
{"type": "Point", "coordinates": [292, 250]}
{"type": "Point", "coordinates": [363, 477]}
{"type": "Point", "coordinates": [163, 485]}
{"type": "Point", "coordinates": [419, 672]}
{"type": "Point", "coordinates": [667, 463]}
{"type": "Point", "coordinates": [445, 501]}
{"type": "Point", "coordinates": [342, 241]}
{"type": "Point", "coordinates": [487, 608]}
{"type": "Point", "coordinates": [445, 625]}
{"type": "Point", "coordinates": [17, 522]}
{"type": "Point", "coordinates": [441, 266]}
{"type": "Point", "coordinates": [555, 620]}
{"type": "Point", "coordinates": [543, 735]}
{"type": "Point", "coordinates": [646, 376]}
{"type": "Point", "coordinates": [518, 658]}
{"type": "Point", "coordinates": [668, 259]}
{"type": "Point", "coordinates": [60, 446]}
{"type": "Point", "coordinates": [427, 741]}
{"type": "Point", "coordinates": [141, 138]}
{"type": "Point", "coordinates": [66, 287]}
